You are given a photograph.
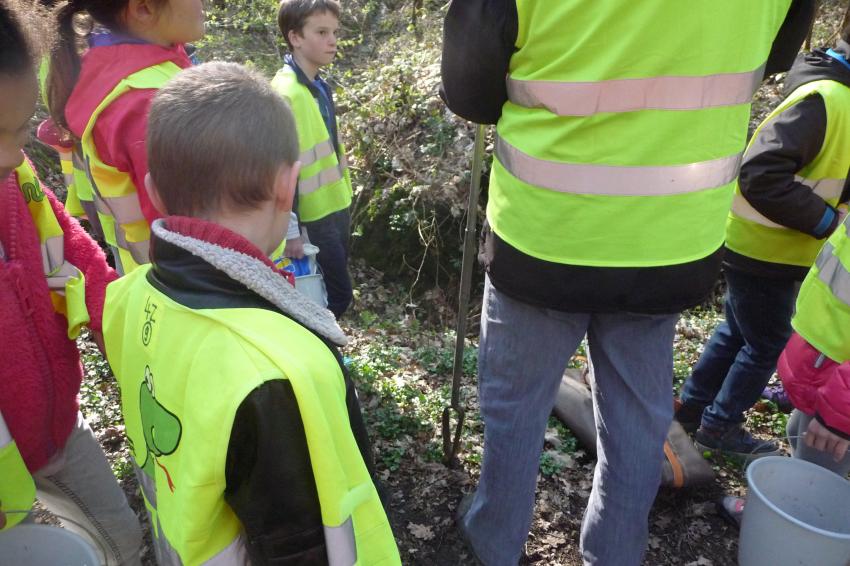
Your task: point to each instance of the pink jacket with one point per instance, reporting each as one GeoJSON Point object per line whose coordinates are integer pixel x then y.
{"type": "Point", "coordinates": [121, 129]}
{"type": "Point", "coordinates": [820, 391]}
{"type": "Point", "coordinates": [40, 370]}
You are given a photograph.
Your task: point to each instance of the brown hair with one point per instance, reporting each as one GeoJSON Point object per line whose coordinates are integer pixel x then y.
{"type": "Point", "coordinates": [292, 14]}
{"type": "Point", "coordinates": [217, 136]}
{"type": "Point", "coordinates": [75, 20]}
{"type": "Point", "coordinates": [26, 34]}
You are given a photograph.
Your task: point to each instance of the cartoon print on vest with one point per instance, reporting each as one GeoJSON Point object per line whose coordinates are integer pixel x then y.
{"type": "Point", "coordinates": [161, 428]}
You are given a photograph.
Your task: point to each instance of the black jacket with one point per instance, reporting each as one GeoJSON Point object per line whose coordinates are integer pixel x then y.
{"type": "Point", "coordinates": [478, 41]}
{"type": "Point", "coordinates": [270, 484]}
{"type": "Point", "coordinates": [786, 144]}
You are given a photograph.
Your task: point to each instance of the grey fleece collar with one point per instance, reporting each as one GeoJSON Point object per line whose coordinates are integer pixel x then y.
{"type": "Point", "coordinates": [258, 277]}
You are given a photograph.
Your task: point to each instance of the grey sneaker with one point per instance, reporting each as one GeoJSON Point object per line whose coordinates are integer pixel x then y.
{"type": "Point", "coordinates": [735, 441]}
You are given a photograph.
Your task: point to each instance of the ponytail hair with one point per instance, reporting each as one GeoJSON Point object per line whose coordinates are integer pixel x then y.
{"type": "Point", "coordinates": [26, 33]}
{"type": "Point", "coordinates": [75, 20]}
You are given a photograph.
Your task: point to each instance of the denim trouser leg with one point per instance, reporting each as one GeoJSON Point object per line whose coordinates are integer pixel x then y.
{"type": "Point", "coordinates": [717, 357]}
{"type": "Point", "coordinates": [331, 236]}
{"type": "Point", "coordinates": [632, 361]}
{"type": "Point", "coordinates": [762, 310]}
{"type": "Point", "coordinates": [524, 351]}
{"type": "Point", "coordinates": [798, 424]}
{"type": "Point", "coordinates": [77, 483]}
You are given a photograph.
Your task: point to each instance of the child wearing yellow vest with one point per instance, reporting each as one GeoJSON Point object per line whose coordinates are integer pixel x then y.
{"type": "Point", "coordinates": [52, 282]}
{"type": "Point", "coordinates": [101, 96]}
{"type": "Point", "coordinates": [247, 436]}
{"type": "Point", "coordinates": [323, 197]}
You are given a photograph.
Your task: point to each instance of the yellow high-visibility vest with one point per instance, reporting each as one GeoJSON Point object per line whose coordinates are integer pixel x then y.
{"type": "Point", "coordinates": [621, 140]}
{"type": "Point", "coordinates": [124, 226]}
{"type": "Point", "coordinates": [179, 426]}
{"type": "Point", "coordinates": [749, 233]}
{"type": "Point", "coordinates": [324, 183]}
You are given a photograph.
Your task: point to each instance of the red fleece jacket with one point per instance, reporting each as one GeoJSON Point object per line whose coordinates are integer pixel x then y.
{"type": "Point", "coordinates": [822, 391]}
{"type": "Point", "coordinates": [40, 370]}
{"type": "Point", "coordinates": [121, 129]}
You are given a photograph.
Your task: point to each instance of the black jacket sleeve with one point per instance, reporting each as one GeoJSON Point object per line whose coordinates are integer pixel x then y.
{"type": "Point", "coordinates": [479, 37]}
{"type": "Point", "coordinates": [786, 144]}
{"type": "Point", "coordinates": [270, 484]}
{"type": "Point", "coordinates": [790, 37]}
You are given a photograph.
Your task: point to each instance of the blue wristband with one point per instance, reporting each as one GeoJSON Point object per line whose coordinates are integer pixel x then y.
{"type": "Point", "coordinates": [825, 222]}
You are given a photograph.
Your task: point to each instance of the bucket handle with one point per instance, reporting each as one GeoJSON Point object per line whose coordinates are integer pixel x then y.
{"type": "Point", "coordinates": [95, 539]}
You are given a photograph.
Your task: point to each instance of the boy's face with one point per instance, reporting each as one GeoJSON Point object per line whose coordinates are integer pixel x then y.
{"type": "Point", "coordinates": [18, 94]}
{"type": "Point", "coordinates": [316, 43]}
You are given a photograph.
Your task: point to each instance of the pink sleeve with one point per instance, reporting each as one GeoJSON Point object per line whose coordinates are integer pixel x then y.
{"type": "Point", "coordinates": [84, 254]}
{"type": "Point", "coordinates": [833, 398]}
{"type": "Point", "coordinates": [119, 136]}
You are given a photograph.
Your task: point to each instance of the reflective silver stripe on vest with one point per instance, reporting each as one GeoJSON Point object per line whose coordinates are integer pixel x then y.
{"type": "Point", "coordinates": [617, 180]}
{"type": "Point", "coordinates": [146, 484]}
{"type": "Point", "coordinates": [827, 189]}
{"type": "Point", "coordinates": [140, 251]}
{"type": "Point", "coordinates": [324, 177]}
{"type": "Point", "coordinates": [341, 544]}
{"type": "Point", "coordinates": [124, 209]}
{"type": "Point", "coordinates": [832, 272]}
{"type": "Point", "coordinates": [628, 95]}
{"type": "Point", "coordinates": [56, 269]}
{"type": "Point", "coordinates": [315, 153]}
{"type": "Point", "coordinates": [233, 554]}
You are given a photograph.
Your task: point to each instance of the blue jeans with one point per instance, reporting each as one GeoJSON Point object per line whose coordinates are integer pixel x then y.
{"type": "Point", "coordinates": [331, 235]}
{"type": "Point", "coordinates": [524, 351]}
{"type": "Point", "coordinates": [742, 353]}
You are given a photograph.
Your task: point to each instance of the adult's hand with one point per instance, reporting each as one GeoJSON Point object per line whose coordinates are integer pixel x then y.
{"type": "Point", "coordinates": [821, 438]}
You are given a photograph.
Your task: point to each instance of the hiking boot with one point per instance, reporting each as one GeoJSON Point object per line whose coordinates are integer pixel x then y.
{"type": "Point", "coordinates": [731, 508]}
{"type": "Point", "coordinates": [734, 441]}
{"type": "Point", "coordinates": [778, 395]}
{"type": "Point", "coordinates": [688, 415]}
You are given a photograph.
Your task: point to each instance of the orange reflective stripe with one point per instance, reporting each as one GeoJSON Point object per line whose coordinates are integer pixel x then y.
{"type": "Point", "coordinates": [628, 95]}
{"type": "Point", "coordinates": [579, 178]}
{"type": "Point", "coordinates": [675, 465]}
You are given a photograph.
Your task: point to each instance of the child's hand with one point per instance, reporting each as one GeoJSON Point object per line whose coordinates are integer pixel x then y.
{"type": "Point", "coordinates": [294, 248]}
{"type": "Point", "coordinates": [821, 438]}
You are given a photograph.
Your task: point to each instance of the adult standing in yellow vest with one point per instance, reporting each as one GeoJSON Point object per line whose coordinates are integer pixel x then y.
{"type": "Point", "coordinates": [323, 199]}
{"type": "Point", "coordinates": [793, 177]}
{"type": "Point", "coordinates": [102, 99]}
{"type": "Point", "coordinates": [620, 128]}
{"type": "Point", "coordinates": [249, 444]}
